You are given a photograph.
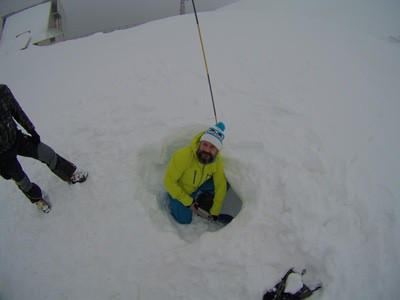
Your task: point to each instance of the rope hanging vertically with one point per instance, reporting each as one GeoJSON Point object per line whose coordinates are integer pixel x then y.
{"type": "Point", "coordinates": [205, 61]}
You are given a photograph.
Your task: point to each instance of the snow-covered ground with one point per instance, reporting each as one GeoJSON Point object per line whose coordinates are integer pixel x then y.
{"type": "Point", "coordinates": [309, 93]}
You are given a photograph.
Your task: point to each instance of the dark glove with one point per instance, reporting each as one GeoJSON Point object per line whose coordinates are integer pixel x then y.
{"type": "Point", "coordinates": [35, 137]}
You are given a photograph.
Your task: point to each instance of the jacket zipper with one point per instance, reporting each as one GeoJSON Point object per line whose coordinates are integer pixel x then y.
{"type": "Point", "coordinates": [194, 177]}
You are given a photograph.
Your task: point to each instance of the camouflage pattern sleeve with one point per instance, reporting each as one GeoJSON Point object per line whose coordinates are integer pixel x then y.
{"type": "Point", "coordinates": [16, 111]}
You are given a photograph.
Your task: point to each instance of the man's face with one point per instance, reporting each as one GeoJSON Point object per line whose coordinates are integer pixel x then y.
{"type": "Point", "coordinates": [207, 152]}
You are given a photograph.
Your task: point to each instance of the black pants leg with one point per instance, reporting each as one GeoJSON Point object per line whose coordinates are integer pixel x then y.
{"type": "Point", "coordinates": [42, 152]}
{"type": "Point", "coordinates": [10, 168]}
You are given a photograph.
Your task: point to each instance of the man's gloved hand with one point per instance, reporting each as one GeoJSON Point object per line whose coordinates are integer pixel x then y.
{"type": "Point", "coordinates": [35, 137]}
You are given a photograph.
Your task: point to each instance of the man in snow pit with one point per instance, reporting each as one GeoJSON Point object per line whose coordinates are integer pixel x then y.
{"type": "Point", "coordinates": [13, 142]}
{"type": "Point", "coordinates": [195, 177]}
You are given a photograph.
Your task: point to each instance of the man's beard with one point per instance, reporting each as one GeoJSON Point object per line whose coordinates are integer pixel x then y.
{"type": "Point", "coordinates": [204, 157]}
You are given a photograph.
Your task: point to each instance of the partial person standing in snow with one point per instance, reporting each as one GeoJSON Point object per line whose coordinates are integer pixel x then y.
{"type": "Point", "coordinates": [13, 143]}
{"type": "Point", "coordinates": [195, 177]}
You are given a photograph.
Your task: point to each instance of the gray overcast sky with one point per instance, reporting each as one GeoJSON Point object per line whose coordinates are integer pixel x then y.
{"type": "Point", "coordinates": [88, 16]}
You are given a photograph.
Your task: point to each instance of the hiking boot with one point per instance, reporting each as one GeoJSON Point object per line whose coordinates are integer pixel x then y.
{"type": "Point", "coordinates": [78, 176]}
{"type": "Point", "coordinates": [43, 206]}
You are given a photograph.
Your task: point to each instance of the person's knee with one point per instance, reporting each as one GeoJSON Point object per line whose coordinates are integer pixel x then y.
{"type": "Point", "coordinates": [11, 169]}
{"type": "Point", "coordinates": [47, 155]}
{"type": "Point", "coordinates": [183, 218]}
{"type": "Point", "coordinates": [181, 213]}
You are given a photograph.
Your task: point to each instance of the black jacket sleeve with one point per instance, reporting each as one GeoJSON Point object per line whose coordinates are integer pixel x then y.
{"type": "Point", "coordinates": [16, 111]}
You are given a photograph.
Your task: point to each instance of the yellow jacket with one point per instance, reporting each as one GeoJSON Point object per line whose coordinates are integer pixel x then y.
{"type": "Point", "coordinates": [185, 174]}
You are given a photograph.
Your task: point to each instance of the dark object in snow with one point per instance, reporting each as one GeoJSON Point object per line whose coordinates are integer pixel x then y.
{"type": "Point", "coordinates": [221, 218]}
{"type": "Point", "coordinates": [282, 291]}
{"type": "Point", "coordinates": [205, 201]}
{"type": "Point", "coordinates": [224, 218]}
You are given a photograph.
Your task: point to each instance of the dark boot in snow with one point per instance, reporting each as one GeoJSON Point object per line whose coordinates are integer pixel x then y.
{"type": "Point", "coordinates": [36, 197]}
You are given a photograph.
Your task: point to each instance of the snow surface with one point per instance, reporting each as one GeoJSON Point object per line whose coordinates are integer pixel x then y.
{"type": "Point", "coordinates": [309, 92]}
{"type": "Point", "coordinates": [293, 283]}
